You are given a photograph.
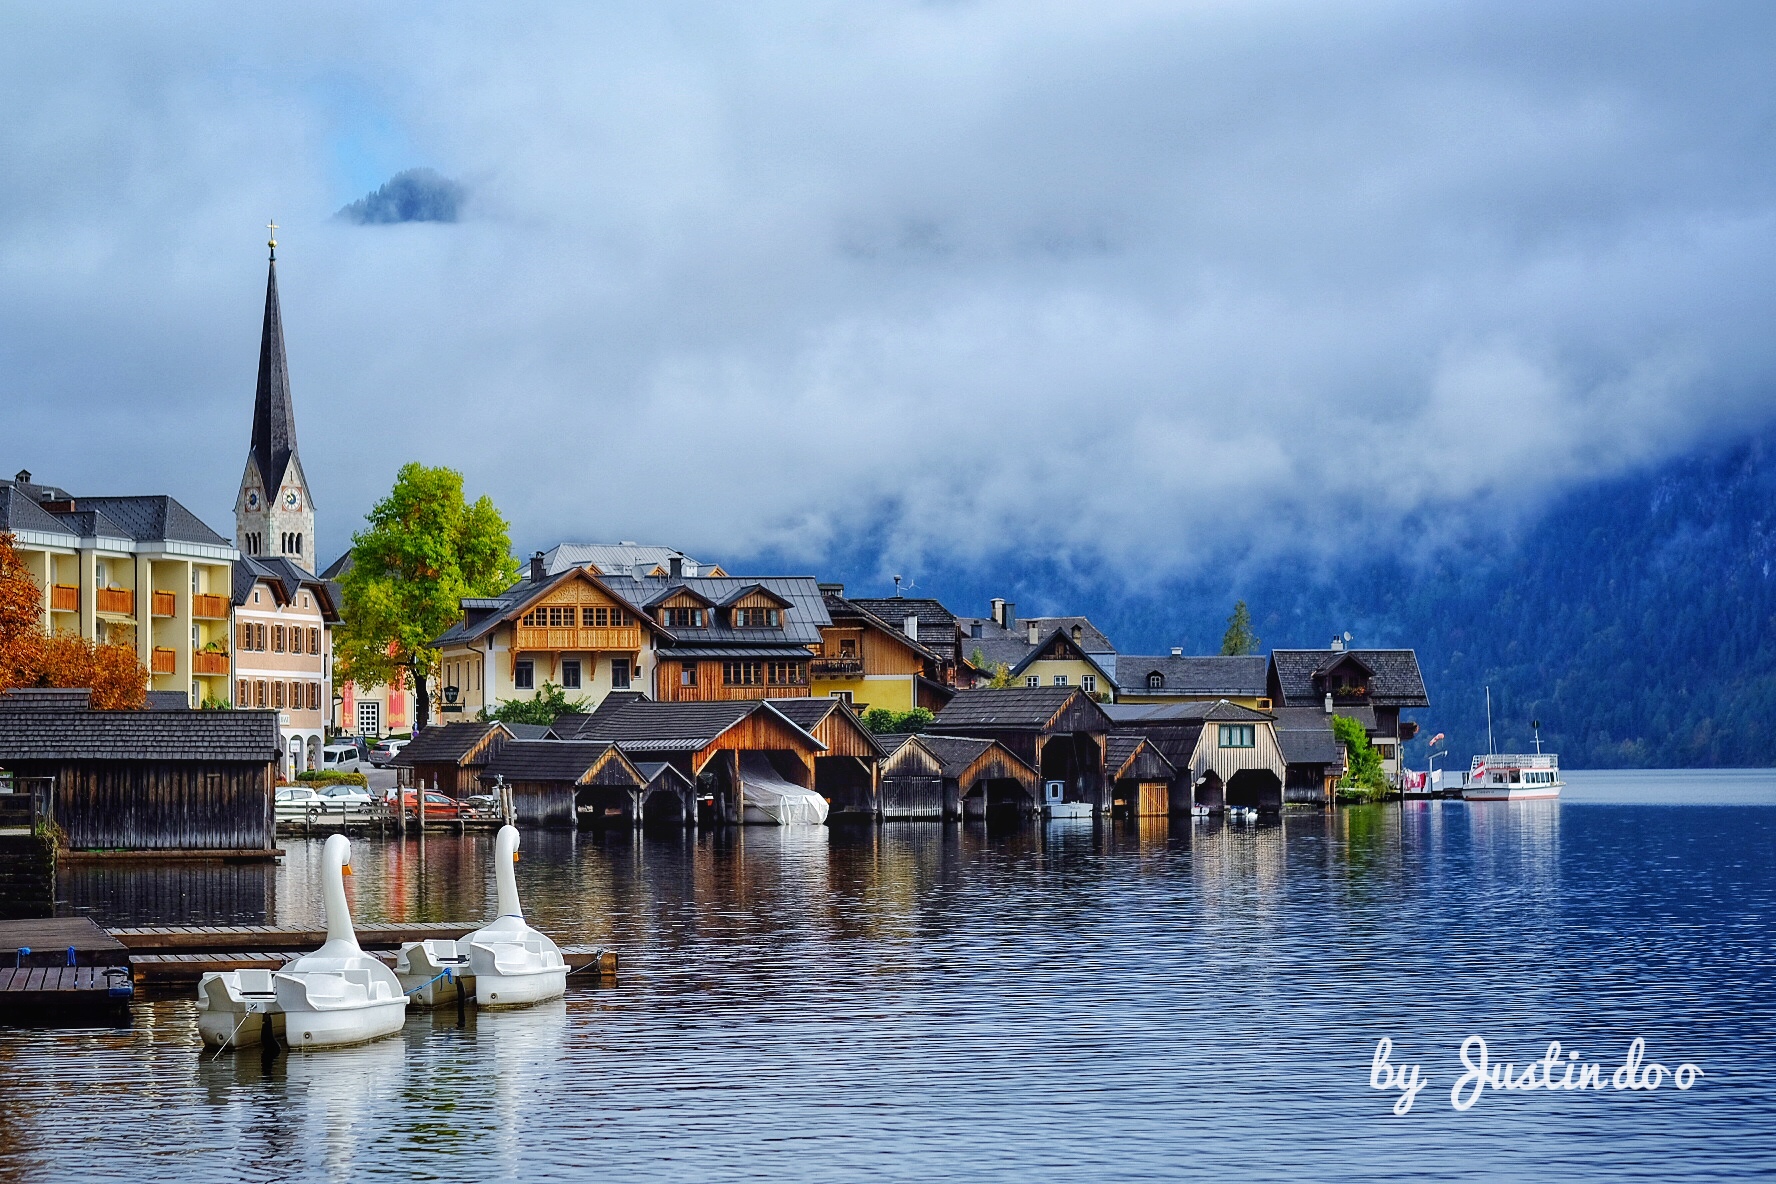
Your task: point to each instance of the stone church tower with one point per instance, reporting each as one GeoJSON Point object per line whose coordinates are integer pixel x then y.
{"type": "Point", "coordinates": [273, 516]}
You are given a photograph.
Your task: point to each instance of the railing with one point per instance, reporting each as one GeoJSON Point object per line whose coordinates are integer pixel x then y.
{"type": "Point", "coordinates": [835, 667]}
{"type": "Point", "coordinates": [165, 604]}
{"type": "Point", "coordinates": [163, 661]}
{"type": "Point", "coordinates": [537, 638]}
{"type": "Point", "coordinates": [207, 606]}
{"type": "Point", "coordinates": [209, 663]}
{"type": "Point", "coordinates": [64, 598]}
{"type": "Point", "coordinates": [115, 600]}
{"type": "Point", "coordinates": [1516, 760]}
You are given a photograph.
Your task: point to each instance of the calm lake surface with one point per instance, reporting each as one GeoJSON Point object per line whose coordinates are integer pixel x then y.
{"type": "Point", "coordinates": [929, 1002]}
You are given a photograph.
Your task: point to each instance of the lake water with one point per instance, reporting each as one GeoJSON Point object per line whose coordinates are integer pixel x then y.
{"type": "Point", "coordinates": [928, 1002]}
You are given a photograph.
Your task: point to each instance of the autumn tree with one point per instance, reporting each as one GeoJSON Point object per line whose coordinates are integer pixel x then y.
{"type": "Point", "coordinates": [424, 549]}
{"type": "Point", "coordinates": [1239, 638]}
{"type": "Point", "coordinates": [29, 657]}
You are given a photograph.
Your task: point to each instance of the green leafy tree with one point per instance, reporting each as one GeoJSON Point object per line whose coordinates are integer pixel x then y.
{"type": "Point", "coordinates": [1363, 775]}
{"type": "Point", "coordinates": [998, 674]}
{"type": "Point", "coordinates": [424, 549]}
{"type": "Point", "coordinates": [881, 719]}
{"type": "Point", "coordinates": [1239, 638]}
{"type": "Point", "coordinates": [541, 708]}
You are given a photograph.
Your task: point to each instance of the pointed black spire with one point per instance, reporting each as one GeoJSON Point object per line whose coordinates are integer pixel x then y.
{"type": "Point", "coordinates": [274, 419]}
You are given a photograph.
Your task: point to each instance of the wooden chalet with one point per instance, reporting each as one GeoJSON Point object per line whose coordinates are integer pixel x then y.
{"type": "Point", "coordinates": [452, 757]}
{"type": "Point", "coordinates": [733, 638]}
{"type": "Point", "coordinates": [1140, 776]}
{"type": "Point", "coordinates": [925, 620]}
{"type": "Point", "coordinates": [1345, 681]}
{"type": "Point", "coordinates": [1222, 754]}
{"type": "Point", "coordinates": [846, 773]}
{"type": "Point", "coordinates": [1057, 730]}
{"type": "Point", "coordinates": [567, 783]}
{"type": "Point", "coordinates": [190, 781]}
{"type": "Point", "coordinates": [931, 776]}
{"type": "Point", "coordinates": [709, 743]}
{"type": "Point", "coordinates": [874, 661]}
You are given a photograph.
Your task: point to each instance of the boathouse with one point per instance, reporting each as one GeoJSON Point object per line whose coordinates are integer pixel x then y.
{"type": "Point", "coordinates": [567, 782]}
{"type": "Point", "coordinates": [1314, 756]}
{"type": "Point", "coordinates": [1346, 681]}
{"type": "Point", "coordinates": [1058, 731]}
{"type": "Point", "coordinates": [192, 781]}
{"type": "Point", "coordinates": [452, 757]}
{"type": "Point", "coordinates": [1140, 777]}
{"type": "Point", "coordinates": [717, 745]}
{"type": "Point", "coordinates": [927, 776]}
{"type": "Point", "coordinates": [1223, 754]}
{"type": "Point", "coordinates": [846, 773]}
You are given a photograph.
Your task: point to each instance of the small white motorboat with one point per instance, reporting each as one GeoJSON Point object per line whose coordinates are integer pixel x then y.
{"type": "Point", "coordinates": [512, 964]}
{"type": "Point", "coordinates": [338, 994]}
{"type": "Point", "coordinates": [1199, 811]}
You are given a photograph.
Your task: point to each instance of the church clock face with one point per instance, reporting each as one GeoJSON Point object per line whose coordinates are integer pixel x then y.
{"type": "Point", "coordinates": [292, 500]}
{"type": "Point", "coordinates": [252, 499]}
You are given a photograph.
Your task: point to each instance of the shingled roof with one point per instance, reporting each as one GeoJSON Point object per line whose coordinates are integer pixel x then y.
{"type": "Point", "coordinates": [557, 760]}
{"type": "Point", "coordinates": [1244, 677]}
{"type": "Point", "coordinates": [938, 629]}
{"type": "Point", "coordinates": [1296, 676]}
{"type": "Point", "coordinates": [1120, 748]}
{"type": "Point", "coordinates": [1014, 707]}
{"type": "Point", "coordinates": [1186, 712]}
{"type": "Point", "coordinates": [58, 726]}
{"type": "Point", "coordinates": [446, 745]}
{"type": "Point", "coordinates": [644, 725]}
{"type": "Point", "coordinates": [1306, 737]}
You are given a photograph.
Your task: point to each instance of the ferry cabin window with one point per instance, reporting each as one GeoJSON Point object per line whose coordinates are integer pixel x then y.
{"type": "Point", "coordinates": [619, 674]}
{"type": "Point", "coordinates": [570, 675]}
{"type": "Point", "coordinates": [1238, 736]}
{"type": "Point", "coordinates": [524, 676]}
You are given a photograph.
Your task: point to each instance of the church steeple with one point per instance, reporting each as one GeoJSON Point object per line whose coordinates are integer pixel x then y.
{"type": "Point", "coordinates": [273, 516]}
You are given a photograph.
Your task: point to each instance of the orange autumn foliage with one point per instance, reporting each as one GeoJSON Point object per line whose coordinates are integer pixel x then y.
{"type": "Point", "coordinates": [29, 657]}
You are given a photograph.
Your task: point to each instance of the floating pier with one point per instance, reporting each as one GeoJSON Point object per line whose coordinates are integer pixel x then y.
{"type": "Point", "coordinates": [62, 968]}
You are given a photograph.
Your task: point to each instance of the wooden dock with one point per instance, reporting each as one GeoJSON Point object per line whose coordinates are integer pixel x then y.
{"type": "Point", "coordinates": [170, 970]}
{"type": "Point", "coordinates": [188, 939]}
{"type": "Point", "coordinates": [62, 968]}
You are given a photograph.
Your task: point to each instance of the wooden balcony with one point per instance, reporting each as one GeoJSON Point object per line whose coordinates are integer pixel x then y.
{"type": "Point", "coordinates": [721, 693]}
{"type": "Point", "coordinates": [628, 638]}
{"type": "Point", "coordinates": [209, 607]}
{"type": "Point", "coordinates": [165, 604]}
{"type": "Point", "coordinates": [121, 601]}
{"type": "Point", "coordinates": [845, 667]}
{"type": "Point", "coordinates": [64, 598]}
{"type": "Point", "coordinates": [163, 661]}
{"type": "Point", "coordinates": [208, 663]}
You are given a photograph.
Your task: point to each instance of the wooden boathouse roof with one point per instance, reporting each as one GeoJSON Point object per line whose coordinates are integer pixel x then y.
{"type": "Point", "coordinates": [452, 744]}
{"type": "Point", "coordinates": [1023, 709]}
{"type": "Point", "coordinates": [578, 762]}
{"type": "Point", "coordinates": [61, 725]}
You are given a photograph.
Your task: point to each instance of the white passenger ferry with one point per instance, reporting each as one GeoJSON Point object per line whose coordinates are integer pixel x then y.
{"type": "Point", "coordinates": [1513, 777]}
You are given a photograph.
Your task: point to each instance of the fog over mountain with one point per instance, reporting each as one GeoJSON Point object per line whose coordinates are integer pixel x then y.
{"type": "Point", "coordinates": [1136, 290]}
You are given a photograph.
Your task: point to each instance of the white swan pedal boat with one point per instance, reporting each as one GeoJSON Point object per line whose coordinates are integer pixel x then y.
{"type": "Point", "coordinates": [336, 995]}
{"type": "Point", "coordinates": [505, 963]}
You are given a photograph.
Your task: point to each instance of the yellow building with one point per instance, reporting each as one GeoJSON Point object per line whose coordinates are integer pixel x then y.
{"type": "Point", "coordinates": [141, 572]}
{"type": "Point", "coordinates": [1175, 678]}
{"type": "Point", "coordinates": [1040, 651]}
{"type": "Point", "coordinates": [872, 662]}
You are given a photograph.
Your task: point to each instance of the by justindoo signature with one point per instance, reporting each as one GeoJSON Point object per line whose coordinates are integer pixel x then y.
{"type": "Point", "coordinates": [1554, 1070]}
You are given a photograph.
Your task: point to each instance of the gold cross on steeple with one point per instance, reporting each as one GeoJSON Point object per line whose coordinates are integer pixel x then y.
{"type": "Point", "coordinates": [271, 229]}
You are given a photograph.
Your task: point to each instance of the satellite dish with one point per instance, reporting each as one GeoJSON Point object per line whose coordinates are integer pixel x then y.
{"type": "Point", "coordinates": [1347, 635]}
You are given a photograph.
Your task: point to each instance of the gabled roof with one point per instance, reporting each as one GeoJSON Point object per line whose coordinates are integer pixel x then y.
{"type": "Point", "coordinates": [653, 771]}
{"type": "Point", "coordinates": [285, 578]}
{"type": "Point", "coordinates": [619, 559]}
{"type": "Point", "coordinates": [573, 761]}
{"type": "Point", "coordinates": [155, 518]}
{"type": "Point", "coordinates": [842, 610]}
{"type": "Point", "coordinates": [21, 515]}
{"type": "Point", "coordinates": [672, 591]}
{"type": "Point", "coordinates": [1215, 674]}
{"type": "Point", "coordinates": [1335, 659]}
{"type": "Point", "coordinates": [956, 753]}
{"type": "Point", "coordinates": [808, 713]}
{"type": "Point", "coordinates": [1394, 679]}
{"type": "Point", "coordinates": [451, 744]}
{"type": "Point", "coordinates": [804, 609]}
{"type": "Point", "coordinates": [1059, 638]}
{"type": "Point", "coordinates": [1191, 711]}
{"type": "Point", "coordinates": [1016, 708]}
{"type": "Point", "coordinates": [1122, 748]}
{"type": "Point", "coordinates": [58, 726]}
{"type": "Point", "coordinates": [937, 625]}
{"type": "Point", "coordinates": [483, 614]}
{"type": "Point", "coordinates": [645, 725]}
{"type": "Point", "coordinates": [755, 589]}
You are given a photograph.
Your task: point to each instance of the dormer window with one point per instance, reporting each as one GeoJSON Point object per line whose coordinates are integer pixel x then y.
{"type": "Point", "coordinates": [1155, 680]}
{"type": "Point", "coordinates": [682, 618]}
{"type": "Point", "coordinates": [758, 618]}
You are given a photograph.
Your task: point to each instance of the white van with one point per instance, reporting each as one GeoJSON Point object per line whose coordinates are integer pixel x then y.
{"type": "Point", "coordinates": [341, 758]}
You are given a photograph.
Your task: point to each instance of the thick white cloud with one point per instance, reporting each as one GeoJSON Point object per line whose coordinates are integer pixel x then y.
{"type": "Point", "coordinates": [1110, 284]}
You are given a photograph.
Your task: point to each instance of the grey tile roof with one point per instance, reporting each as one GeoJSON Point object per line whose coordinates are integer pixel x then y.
{"type": "Point", "coordinates": [529, 731]}
{"type": "Point", "coordinates": [1218, 675]}
{"type": "Point", "coordinates": [90, 524]}
{"type": "Point", "coordinates": [1396, 681]}
{"type": "Point", "coordinates": [67, 733]}
{"type": "Point", "coordinates": [938, 628]}
{"type": "Point", "coordinates": [807, 713]}
{"type": "Point", "coordinates": [616, 559]}
{"type": "Point", "coordinates": [1219, 709]}
{"type": "Point", "coordinates": [1012, 707]}
{"type": "Point", "coordinates": [842, 611]}
{"type": "Point", "coordinates": [19, 512]}
{"type": "Point", "coordinates": [681, 652]}
{"type": "Point", "coordinates": [660, 770]}
{"type": "Point", "coordinates": [644, 725]}
{"type": "Point", "coordinates": [1306, 737]}
{"type": "Point", "coordinates": [802, 619]}
{"type": "Point", "coordinates": [547, 760]}
{"type": "Point", "coordinates": [285, 579]}
{"type": "Point", "coordinates": [447, 744]}
{"type": "Point", "coordinates": [153, 519]}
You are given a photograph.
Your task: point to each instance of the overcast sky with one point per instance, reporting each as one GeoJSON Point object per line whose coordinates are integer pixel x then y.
{"type": "Point", "coordinates": [1123, 282]}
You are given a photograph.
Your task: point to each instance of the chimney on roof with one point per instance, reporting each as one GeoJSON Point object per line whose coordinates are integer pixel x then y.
{"type": "Point", "coordinates": [910, 626]}
{"type": "Point", "coordinates": [1337, 643]}
{"type": "Point", "coordinates": [675, 566]}
{"type": "Point", "coordinates": [1031, 631]}
{"type": "Point", "coordinates": [832, 590]}
{"type": "Point", "coordinates": [997, 612]}
{"type": "Point", "coordinates": [1078, 632]}
{"type": "Point", "coordinates": [24, 476]}
{"type": "Point", "coordinates": [1177, 651]}
{"type": "Point", "coordinates": [538, 569]}
{"type": "Point", "coordinates": [1328, 702]}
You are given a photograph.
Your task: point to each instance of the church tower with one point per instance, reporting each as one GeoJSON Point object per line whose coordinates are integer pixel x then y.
{"type": "Point", "coordinates": [273, 516]}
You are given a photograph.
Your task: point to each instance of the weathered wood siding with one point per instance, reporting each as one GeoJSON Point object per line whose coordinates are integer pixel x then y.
{"type": "Point", "coordinates": [912, 784]}
{"type": "Point", "coordinates": [161, 805]}
{"type": "Point", "coordinates": [543, 803]}
{"type": "Point", "coordinates": [1225, 762]}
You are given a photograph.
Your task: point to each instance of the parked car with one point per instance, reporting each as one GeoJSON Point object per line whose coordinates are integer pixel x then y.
{"type": "Point", "coordinates": [437, 805]}
{"type": "Point", "coordinates": [295, 797]}
{"type": "Point", "coordinates": [482, 805]}
{"type": "Point", "coordinates": [353, 797]}
{"type": "Point", "coordinates": [341, 757]}
{"type": "Point", "coordinates": [385, 751]}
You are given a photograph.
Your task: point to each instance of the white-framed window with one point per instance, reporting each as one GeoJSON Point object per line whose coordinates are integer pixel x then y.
{"type": "Point", "coordinates": [369, 717]}
{"type": "Point", "coordinates": [1032, 680]}
{"type": "Point", "coordinates": [570, 675]}
{"type": "Point", "coordinates": [524, 676]}
{"type": "Point", "coordinates": [619, 674]}
{"type": "Point", "coordinates": [1155, 680]}
{"type": "Point", "coordinates": [1060, 680]}
{"type": "Point", "coordinates": [1089, 683]}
